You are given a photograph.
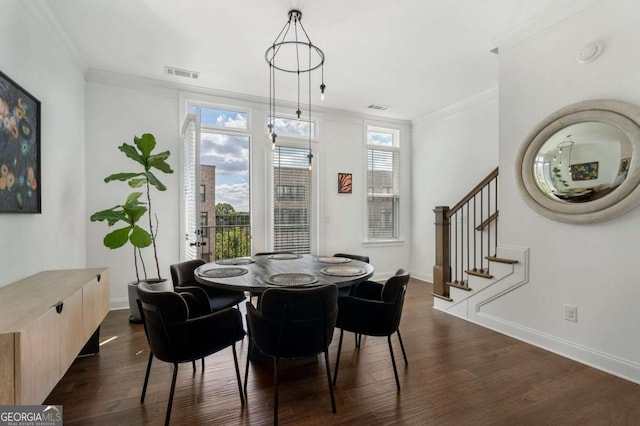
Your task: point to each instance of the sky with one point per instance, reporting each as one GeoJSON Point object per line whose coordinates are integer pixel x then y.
{"type": "Point", "coordinates": [230, 155]}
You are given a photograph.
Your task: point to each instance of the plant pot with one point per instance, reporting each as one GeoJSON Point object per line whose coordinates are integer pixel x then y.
{"type": "Point", "coordinates": [132, 290]}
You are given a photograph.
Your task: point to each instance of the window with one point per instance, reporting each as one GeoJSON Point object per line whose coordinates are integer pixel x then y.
{"type": "Point", "coordinates": [291, 192]}
{"type": "Point", "coordinates": [383, 192]}
{"type": "Point", "coordinates": [293, 127]}
{"type": "Point", "coordinates": [214, 117]}
{"type": "Point", "coordinates": [204, 224]}
{"type": "Point", "coordinates": [291, 200]}
{"type": "Point", "coordinates": [217, 174]}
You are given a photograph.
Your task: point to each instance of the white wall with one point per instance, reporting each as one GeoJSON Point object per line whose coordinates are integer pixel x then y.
{"type": "Point", "coordinates": [119, 107]}
{"type": "Point", "coordinates": [114, 115]}
{"type": "Point", "coordinates": [35, 57]}
{"type": "Point", "coordinates": [588, 266]}
{"type": "Point", "coordinates": [453, 150]}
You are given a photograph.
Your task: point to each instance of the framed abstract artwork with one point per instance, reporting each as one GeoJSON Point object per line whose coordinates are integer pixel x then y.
{"type": "Point", "coordinates": [584, 171]}
{"type": "Point", "coordinates": [344, 183]}
{"type": "Point", "coordinates": [20, 185]}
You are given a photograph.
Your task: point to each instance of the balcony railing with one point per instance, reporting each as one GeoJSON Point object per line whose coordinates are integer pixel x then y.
{"type": "Point", "coordinates": [230, 237]}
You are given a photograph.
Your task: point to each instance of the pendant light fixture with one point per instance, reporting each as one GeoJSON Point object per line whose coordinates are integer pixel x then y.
{"type": "Point", "coordinates": [293, 52]}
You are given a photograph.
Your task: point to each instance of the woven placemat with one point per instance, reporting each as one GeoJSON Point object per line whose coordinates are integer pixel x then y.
{"type": "Point", "coordinates": [235, 261]}
{"type": "Point", "coordinates": [343, 271]}
{"type": "Point", "coordinates": [290, 279]}
{"type": "Point", "coordinates": [285, 256]}
{"type": "Point", "coordinates": [332, 259]}
{"type": "Point", "coordinates": [224, 272]}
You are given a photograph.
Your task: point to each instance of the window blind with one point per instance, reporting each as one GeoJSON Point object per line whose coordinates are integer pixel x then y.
{"type": "Point", "coordinates": [291, 200]}
{"type": "Point", "coordinates": [383, 194]}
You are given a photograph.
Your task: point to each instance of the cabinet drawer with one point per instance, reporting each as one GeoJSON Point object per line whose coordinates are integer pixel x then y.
{"type": "Point", "coordinates": [95, 302]}
{"type": "Point", "coordinates": [37, 368]}
{"type": "Point", "coordinates": [71, 330]}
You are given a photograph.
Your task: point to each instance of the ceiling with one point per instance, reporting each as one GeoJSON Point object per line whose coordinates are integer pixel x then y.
{"type": "Point", "coordinates": [415, 56]}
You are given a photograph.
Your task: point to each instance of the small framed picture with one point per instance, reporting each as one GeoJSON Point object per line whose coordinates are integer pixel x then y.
{"type": "Point", "coordinates": [624, 165]}
{"type": "Point", "coordinates": [344, 183]}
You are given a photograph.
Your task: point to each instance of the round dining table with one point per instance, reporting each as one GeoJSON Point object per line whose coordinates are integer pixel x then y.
{"type": "Point", "coordinates": [258, 273]}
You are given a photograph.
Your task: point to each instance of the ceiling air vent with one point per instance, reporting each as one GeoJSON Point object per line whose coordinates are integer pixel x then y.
{"type": "Point", "coordinates": [378, 107]}
{"type": "Point", "coordinates": [181, 73]}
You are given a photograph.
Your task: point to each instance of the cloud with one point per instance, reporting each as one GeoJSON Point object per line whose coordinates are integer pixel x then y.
{"type": "Point", "coordinates": [235, 194]}
{"type": "Point", "coordinates": [229, 153]}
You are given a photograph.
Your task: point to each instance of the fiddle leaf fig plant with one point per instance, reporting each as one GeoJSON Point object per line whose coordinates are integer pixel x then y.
{"type": "Point", "coordinates": [133, 210]}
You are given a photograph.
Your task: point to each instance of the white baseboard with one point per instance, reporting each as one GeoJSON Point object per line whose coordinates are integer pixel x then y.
{"type": "Point", "coordinates": [471, 309]}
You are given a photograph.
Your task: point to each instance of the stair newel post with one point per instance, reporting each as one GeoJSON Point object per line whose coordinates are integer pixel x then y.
{"type": "Point", "coordinates": [442, 267]}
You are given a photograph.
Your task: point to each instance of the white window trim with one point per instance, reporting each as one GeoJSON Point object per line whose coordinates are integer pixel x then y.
{"type": "Point", "coordinates": [384, 128]}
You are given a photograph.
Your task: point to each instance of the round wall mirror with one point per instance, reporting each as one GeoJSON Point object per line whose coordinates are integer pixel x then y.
{"type": "Point", "coordinates": [582, 163]}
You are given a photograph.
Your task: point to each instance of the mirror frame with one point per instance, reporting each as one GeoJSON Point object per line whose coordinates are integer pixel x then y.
{"type": "Point", "coordinates": [626, 196]}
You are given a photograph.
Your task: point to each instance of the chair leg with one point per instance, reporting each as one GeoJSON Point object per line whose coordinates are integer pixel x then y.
{"type": "Point", "coordinates": [235, 362]}
{"type": "Point", "coordinates": [173, 388]}
{"type": "Point", "coordinates": [246, 368]}
{"type": "Point", "coordinates": [326, 363]}
{"type": "Point", "coordinates": [146, 378]}
{"type": "Point", "coordinates": [202, 363]}
{"type": "Point", "coordinates": [404, 354]}
{"type": "Point", "coordinates": [194, 365]}
{"type": "Point", "coordinates": [335, 373]}
{"type": "Point", "coordinates": [358, 338]}
{"type": "Point", "coordinates": [275, 391]}
{"type": "Point", "coordinates": [393, 361]}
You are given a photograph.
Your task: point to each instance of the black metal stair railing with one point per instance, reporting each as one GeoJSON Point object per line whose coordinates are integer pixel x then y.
{"type": "Point", "coordinates": [466, 235]}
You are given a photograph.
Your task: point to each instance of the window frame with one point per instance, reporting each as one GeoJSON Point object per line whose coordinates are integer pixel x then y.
{"type": "Point", "coordinates": [395, 150]}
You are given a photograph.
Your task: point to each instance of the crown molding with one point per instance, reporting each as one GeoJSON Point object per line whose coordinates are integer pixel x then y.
{"type": "Point", "coordinates": [174, 90]}
{"type": "Point", "coordinates": [459, 106]}
{"type": "Point", "coordinates": [40, 9]}
{"type": "Point", "coordinates": [540, 22]}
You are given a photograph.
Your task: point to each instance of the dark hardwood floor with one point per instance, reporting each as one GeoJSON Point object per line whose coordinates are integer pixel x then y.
{"type": "Point", "coordinates": [458, 374]}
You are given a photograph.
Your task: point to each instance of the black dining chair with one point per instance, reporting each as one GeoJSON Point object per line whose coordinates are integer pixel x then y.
{"type": "Point", "coordinates": [175, 336]}
{"type": "Point", "coordinates": [270, 253]}
{"type": "Point", "coordinates": [374, 309]}
{"type": "Point", "coordinates": [292, 323]}
{"type": "Point", "coordinates": [345, 291]}
{"type": "Point", "coordinates": [182, 274]}
{"type": "Point", "coordinates": [359, 257]}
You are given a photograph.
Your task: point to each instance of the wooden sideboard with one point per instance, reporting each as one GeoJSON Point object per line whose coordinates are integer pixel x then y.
{"type": "Point", "coordinates": [45, 321]}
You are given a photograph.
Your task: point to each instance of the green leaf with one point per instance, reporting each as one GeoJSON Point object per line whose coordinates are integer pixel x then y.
{"type": "Point", "coordinates": [153, 180]}
{"type": "Point", "coordinates": [131, 152]}
{"type": "Point", "coordinates": [158, 161]}
{"type": "Point", "coordinates": [133, 198]}
{"type": "Point", "coordinates": [121, 176]}
{"type": "Point", "coordinates": [140, 237]}
{"type": "Point", "coordinates": [138, 182]}
{"type": "Point", "coordinates": [112, 215]}
{"type": "Point", "coordinates": [117, 238]}
{"type": "Point", "coordinates": [134, 212]}
{"type": "Point", "coordinates": [145, 144]}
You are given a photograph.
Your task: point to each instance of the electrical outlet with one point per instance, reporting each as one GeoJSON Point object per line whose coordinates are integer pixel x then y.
{"type": "Point", "coordinates": [570, 313]}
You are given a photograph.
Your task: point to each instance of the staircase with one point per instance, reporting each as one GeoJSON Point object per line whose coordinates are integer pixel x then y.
{"type": "Point", "coordinates": [471, 270]}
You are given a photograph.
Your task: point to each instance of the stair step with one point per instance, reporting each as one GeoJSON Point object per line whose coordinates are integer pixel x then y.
{"type": "Point", "coordinates": [501, 260]}
{"type": "Point", "coordinates": [479, 273]}
{"type": "Point", "coordinates": [461, 285]}
{"type": "Point", "coordinates": [448, 299]}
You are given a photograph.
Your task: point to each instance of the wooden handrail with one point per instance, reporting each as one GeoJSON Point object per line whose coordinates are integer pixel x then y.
{"type": "Point", "coordinates": [473, 192]}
